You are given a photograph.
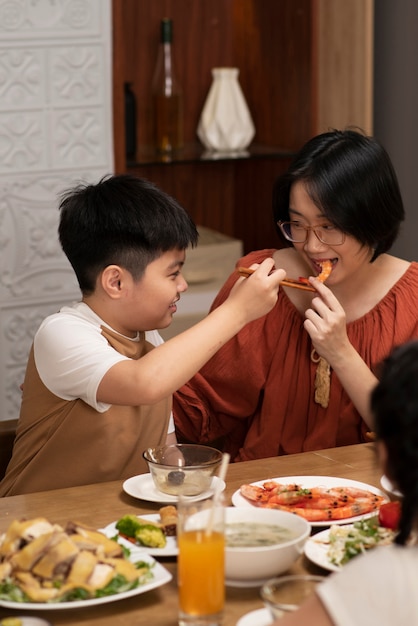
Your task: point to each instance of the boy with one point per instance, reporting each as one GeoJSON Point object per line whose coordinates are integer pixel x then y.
{"type": "Point", "coordinates": [96, 391]}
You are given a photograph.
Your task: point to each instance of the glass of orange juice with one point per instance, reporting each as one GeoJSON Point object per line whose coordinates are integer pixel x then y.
{"type": "Point", "coordinates": [201, 561]}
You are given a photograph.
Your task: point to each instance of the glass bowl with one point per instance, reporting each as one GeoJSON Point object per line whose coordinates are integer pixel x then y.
{"type": "Point", "coordinates": [183, 469]}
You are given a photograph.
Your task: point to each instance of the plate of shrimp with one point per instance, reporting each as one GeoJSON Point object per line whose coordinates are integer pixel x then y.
{"type": "Point", "coordinates": [321, 500]}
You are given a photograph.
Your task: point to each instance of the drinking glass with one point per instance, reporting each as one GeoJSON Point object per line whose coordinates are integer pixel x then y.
{"type": "Point", "coordinates": [285, 594]}
{"type": "Point", "coordinates": [201, 560]}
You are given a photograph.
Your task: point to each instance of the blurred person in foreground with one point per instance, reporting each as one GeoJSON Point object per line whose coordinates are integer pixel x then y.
{"type": "Point", "coordinates": [99, 380]}
{"type": "Point", "coordinates": [300, 377]}
{"type": "Point", "coordinates": [379, 587]}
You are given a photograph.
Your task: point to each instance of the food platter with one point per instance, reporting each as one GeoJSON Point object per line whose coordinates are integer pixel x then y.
{"type": "Point", "coordinates": [161, 576]}
{"type": "Point", "coordinates": [308, 482]}
{"type": "Point", "coordinates": [170, 549]}
{"type": "Point", "coordinates": [143, 488]}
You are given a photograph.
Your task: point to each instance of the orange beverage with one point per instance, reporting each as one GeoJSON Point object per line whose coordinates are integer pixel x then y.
{"type": "Point", "coordinates": [201, 574]}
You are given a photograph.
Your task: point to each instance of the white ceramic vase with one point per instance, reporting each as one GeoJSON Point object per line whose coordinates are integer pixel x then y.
{"type": "Point", "coordinates": [225, 123]}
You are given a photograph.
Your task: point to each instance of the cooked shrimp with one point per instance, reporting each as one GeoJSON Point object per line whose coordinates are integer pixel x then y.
{"type": "Point", "coordinates": [271, 484]}
{"type": "Point", "coordinates": [255, 494]}
{"type": "Point", "coordinates": [317, 504]}
{"type": "Point", "coordinates": [325, 271]}
{"type": "Point", "coordinates": [330, 514]}
{"type": "Point", "coordinates": [289, 498]}
{"type": "Point", "coordinates": [345, 493]}
{"type": "Point", "coordinates": [268, 490]}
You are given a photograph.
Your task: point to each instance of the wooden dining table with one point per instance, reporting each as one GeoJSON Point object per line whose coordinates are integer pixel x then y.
{"type": "Point", "coordinates": [100, 504]}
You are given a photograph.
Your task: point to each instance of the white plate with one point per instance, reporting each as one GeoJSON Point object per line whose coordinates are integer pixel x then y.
{"type": "Point", "coordinates": [143, 487]}
{"type": "Point", "coordinates": [387, 486]}
{"type": "Point", "coordinates": [161, 577]}
{"type": "Point", "coordinates": [25, 620]}
{"type": "Point", "coordinates": [169, 550]}
{"type": "Point", "coordinates": [316, 548]}
{"type": "Point", "coordinates": [307, 482]}
{"type": "Point", "coordinates": [260, 617]}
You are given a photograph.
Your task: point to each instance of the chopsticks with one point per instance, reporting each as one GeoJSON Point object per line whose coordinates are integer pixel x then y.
{"type": "Point", "coordinates": [287, 282]}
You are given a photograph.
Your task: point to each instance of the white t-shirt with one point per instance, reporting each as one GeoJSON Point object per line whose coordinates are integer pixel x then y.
{"type": "Point", "coordinates": [379, 587]}
{"type": "Point", "coordinates": [72, 355]}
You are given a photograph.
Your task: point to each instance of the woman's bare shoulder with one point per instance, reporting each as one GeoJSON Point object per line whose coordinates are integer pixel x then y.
{"type": "Point", "coordinates": [392, 268]}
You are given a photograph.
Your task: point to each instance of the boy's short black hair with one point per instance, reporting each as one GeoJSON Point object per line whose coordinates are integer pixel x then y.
{"type": "Point", "coordinates": [122, 220]}
{"type": "Point", "coordinates": [351, 179]}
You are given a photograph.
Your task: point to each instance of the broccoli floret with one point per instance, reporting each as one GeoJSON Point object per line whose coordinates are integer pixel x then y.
{"type": "Point", "coordinates": [151, 536]}
{"type": "Point", "coordinates": [143, 531]}
{"type": "Point", "coordinates": [128, 525]}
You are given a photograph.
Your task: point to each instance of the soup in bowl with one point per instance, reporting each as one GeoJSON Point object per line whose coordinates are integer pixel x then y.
{"type": "Point", "coordinates": [261, 543]}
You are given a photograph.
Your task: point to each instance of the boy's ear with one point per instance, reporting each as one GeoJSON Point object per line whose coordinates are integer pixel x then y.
{"type": "Point", "coordinates": [111, 280]}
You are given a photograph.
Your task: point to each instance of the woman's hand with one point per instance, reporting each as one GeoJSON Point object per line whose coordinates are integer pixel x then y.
{"type": "Point", "coordinates": [326, 324]}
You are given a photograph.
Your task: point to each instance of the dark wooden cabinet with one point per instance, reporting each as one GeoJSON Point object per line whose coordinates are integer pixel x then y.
{"type": "Point", "coordinates": [276, 45]}
{"type": "Point", "coordinates": [231, 196]}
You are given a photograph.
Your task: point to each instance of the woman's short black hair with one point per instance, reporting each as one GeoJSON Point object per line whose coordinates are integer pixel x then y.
{"type": "Point", "coordinates": [351, 179]}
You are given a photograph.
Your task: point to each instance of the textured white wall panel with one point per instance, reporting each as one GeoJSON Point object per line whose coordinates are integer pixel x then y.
{"type": "Point", "coordinates": [55, 130]}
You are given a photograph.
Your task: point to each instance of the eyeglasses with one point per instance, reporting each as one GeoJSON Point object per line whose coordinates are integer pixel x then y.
{"type": "Point", "coordinates": [297, 233]}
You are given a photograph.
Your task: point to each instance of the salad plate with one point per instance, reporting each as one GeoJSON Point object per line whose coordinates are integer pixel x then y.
{"type": "Point", "coordinates": [259, 617]}
{"type": "Point", "coordinates": [161, 576]}
{"type": "Point", "coordinates": [143, 488]}
{"type": "Point", "coordinates": [169, 550]}
{"type": "Point", "coordinates": [308, 482]}
{"type": "Point", "coordinates": [316, 549]}
{"type": "Point", "coordinates": [348, 541]}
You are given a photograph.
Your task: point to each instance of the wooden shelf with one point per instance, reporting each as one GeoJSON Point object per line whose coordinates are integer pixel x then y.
{"type": "Point", "coordinates": [232, 196]}
{"type": "Point", "coordinates": [195, 153]}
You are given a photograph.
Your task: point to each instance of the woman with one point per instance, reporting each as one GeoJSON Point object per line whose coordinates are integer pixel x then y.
{"type": "Point", "coordinates": [380, 587]}
{"type": "Point", "coordinates": [300, 377]}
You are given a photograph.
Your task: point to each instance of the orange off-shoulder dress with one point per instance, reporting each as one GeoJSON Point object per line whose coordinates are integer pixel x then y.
{"type": "Point", "coordinates": [256, 394]}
